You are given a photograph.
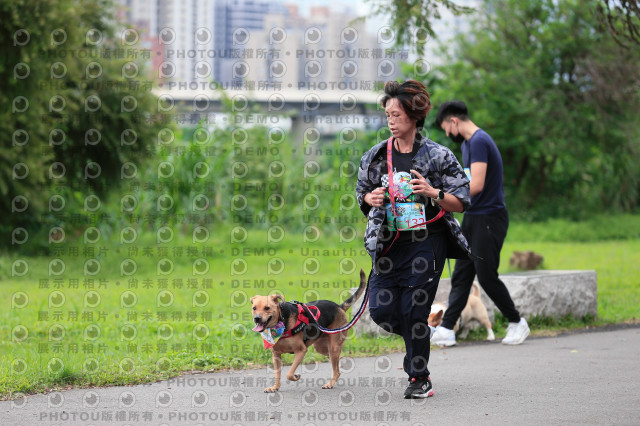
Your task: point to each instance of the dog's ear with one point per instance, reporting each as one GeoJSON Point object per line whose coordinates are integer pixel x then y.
{"type": "Point", "coordinates": [277, 298]}
{"type": "Point", "coordinates": [251, 300]}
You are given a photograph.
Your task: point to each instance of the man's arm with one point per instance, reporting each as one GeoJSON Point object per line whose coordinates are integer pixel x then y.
{"type": "Point", "coordinates": [478, 174]}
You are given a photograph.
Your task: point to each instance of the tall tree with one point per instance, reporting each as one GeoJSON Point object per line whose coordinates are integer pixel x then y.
{"type": "Point", "coordinates": [559, 97]}
{"type": "Point", "coordinates": [76, 106]}
{"type": "Point", "coordinates": [622, 19]}
{"type": "Point", "coordinates": [413, 19]}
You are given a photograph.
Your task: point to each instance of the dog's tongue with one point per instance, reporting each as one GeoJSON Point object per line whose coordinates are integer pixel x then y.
{"type": "Point", "coordinates": [258, 328]}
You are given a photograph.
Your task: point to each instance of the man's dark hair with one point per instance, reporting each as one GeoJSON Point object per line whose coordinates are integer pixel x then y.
{"type": "Point", "coordinates": [452, 109]}
{"type": "Point", "coordinates": [413, 97]}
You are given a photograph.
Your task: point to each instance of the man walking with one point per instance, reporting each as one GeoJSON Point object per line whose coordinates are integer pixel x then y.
{"type": "Point", "coordinates": [484, 225]}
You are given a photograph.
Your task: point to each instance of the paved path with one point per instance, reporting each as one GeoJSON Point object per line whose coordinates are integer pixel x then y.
{"type": "Point", "coordinates": [581, 378]}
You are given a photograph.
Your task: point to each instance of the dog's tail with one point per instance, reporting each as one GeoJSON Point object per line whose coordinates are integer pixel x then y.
{"type": "Point", "coordinates": [363, 283]}
{"type": "Point", "coordinates": [476, 291]}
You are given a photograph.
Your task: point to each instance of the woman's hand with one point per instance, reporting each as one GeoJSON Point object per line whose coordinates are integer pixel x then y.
{"type": "Point", "coordinates": [421, 186]}
{"type": "Point", "coordinates": [375, 198]}
{"type": "Point", "coordinates": [450, 203]}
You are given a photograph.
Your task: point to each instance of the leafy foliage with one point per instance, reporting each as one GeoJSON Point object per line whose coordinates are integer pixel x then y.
{"type": "Point", "coordinates": [223, 178]}
{"type": "Point", "coordinates": [74, 117]}
{"type": "Point", "coordinates": [622, 19]}
{"type": "Point", "coordinates": [413, 19]}
{"type": "Point", "coordinates": [559, 97]}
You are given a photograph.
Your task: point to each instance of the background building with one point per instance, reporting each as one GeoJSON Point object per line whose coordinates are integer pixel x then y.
{"type": "Point", "coordinates": [235, 22]}
{"type": "Point", "coordinates": [260, 44]}
{"type": "Point", "coordinates": [323, 51]}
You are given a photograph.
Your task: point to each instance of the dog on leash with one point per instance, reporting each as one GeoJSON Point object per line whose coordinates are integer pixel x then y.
{"type": "Point", "coordinates": [473, 310]}
{"type": "Point", "coordinates": [295, 324]}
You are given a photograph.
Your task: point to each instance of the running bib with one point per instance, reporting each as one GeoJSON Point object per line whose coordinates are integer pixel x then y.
{"type": "Point", "coordinates": [410, 217]}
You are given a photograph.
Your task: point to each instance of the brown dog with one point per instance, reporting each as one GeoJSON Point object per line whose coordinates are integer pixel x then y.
{"type": "Point", "coordinates": [268, 311]}
{"type": "Point", "coordinates": [473, 310]}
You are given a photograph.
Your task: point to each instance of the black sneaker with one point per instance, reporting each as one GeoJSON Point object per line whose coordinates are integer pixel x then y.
{"type": "Point", "coordinates": [418, 388]}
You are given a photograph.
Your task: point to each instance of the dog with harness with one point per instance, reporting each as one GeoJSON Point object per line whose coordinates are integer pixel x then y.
{"type": "Point", "coordinates": [296, 326]}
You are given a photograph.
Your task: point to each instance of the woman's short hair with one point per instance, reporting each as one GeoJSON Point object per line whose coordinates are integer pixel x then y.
{"type": "Point", "coordinates": [413, 97]}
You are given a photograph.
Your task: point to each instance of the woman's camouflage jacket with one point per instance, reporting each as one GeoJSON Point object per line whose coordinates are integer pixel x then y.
{"type": "Point", "coordinates": [441, 169]}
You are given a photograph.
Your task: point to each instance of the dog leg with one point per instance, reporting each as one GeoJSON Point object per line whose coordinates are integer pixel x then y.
{"type": "Point", "coordinates": [322, 345]}
{"type": "Point", "coordinates": [336, 341]}
{"type": "Point", "coordinates": [484, 320]}
{"type": "Point", "coordinates": [297, 360]}
{"type": "Point", "coordinates": [490, 335]}
{"type": "Point", "coordinates": [277, 367]}
{"type": "Point", "coordinates": [464, 333]}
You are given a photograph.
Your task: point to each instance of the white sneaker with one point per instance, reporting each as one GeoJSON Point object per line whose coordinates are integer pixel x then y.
{"type": "Point", "coordinates": [516, 332]}
{"type": "Point", "coordinates": [443, 337]}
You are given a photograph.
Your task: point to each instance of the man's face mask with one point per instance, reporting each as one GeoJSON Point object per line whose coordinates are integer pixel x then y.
{"type": "Point", "coordinates": [456, 138]}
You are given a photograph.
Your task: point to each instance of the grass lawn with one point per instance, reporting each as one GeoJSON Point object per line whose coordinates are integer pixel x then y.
{"type": "Point", "coordinates": [130, 313]}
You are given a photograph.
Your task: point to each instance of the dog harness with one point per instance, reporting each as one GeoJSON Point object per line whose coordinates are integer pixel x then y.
{"type": "Point", "coordinates": [303, 319]}
{"type": "Point", "coordinates": [270, 334]}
